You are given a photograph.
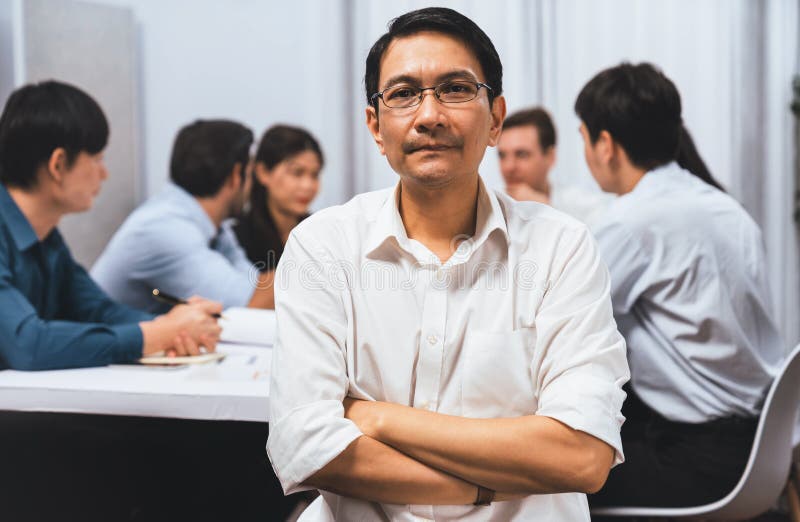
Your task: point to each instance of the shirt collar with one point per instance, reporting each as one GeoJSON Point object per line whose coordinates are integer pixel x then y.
{"type": "Point", "coordinates": [653, 179]}
{"type": "Point", "coordinates": [189, 204]}
{"type": "Point", "coordinates": [388, 225]}
{"type": "Point", "coordinates": [19, 226]}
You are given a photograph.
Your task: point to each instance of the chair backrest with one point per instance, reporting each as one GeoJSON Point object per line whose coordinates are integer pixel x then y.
{"type": "Point", "coordinates": [770, 459]}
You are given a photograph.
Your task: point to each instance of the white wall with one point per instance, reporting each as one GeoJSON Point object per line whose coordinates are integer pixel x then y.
{"type": "Point", "coordinates": [256, 62]}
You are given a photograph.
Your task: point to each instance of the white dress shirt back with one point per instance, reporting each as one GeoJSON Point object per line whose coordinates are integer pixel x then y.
{"type": "Point", "coordinates": [517, 322]}
{"type": "Point", "coordinates": [690, 294]}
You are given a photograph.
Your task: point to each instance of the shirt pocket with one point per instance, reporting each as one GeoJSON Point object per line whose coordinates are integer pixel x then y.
{"type": "Point", "coordinates": [497, 379]}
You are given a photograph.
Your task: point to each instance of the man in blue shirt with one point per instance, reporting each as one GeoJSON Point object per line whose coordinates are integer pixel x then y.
{"type": "Point", "coordinates": [177, 241]}
{"type": "Point", "coordinates": [52, 315]}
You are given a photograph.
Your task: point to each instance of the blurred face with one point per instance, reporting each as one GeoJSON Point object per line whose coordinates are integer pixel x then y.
{"type": "Point", "coordinates": [433, 143]}
{"type": "Point", "coordinates": [80, 183]}
{"type": "Point", "coordinates": [522, 159]}
{"type": "Point", "coordinates": [293, 183]}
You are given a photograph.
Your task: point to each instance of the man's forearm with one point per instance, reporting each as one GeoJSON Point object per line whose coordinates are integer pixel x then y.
{"type": "Point", "coordinates": [371, 470]}
{"type": "Point", "coordinates": [527, 455]}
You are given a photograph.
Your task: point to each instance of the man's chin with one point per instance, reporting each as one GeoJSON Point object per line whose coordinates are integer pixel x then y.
{"type": "Point", "coordinates": [431, 177]}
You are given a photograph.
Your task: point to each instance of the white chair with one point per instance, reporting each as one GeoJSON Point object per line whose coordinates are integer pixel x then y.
{"type": "Point", "coordinates": [767, 468]}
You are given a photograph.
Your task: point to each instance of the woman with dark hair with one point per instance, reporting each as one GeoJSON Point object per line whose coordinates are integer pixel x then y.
{"type": "Point", "coordinates": [689, 159]}
{"type": "Point", "coordinates": [286, 180]}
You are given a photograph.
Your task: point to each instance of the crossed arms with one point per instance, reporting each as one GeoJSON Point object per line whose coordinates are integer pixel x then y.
{"type": "Point", "coordinates": [390, 453]}
{"type": "Point", "coordinates": [412, 456]}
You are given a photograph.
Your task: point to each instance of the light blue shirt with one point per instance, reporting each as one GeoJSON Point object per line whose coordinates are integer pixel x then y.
{"type": "Point", "coordinates": [690, 295]}
{"type": "Point", "coordinates": [170, 243]}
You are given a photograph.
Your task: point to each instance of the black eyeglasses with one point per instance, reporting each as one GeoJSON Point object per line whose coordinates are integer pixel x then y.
{"type": "Point", "coordinates": [402, 96]}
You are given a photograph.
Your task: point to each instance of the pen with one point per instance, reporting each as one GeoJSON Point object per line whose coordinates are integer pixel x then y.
{"type": "Point", "coordinates": [172, 300]}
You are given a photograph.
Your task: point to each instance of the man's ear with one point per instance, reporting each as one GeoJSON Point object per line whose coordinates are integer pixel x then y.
{"type": "Point", "coordinates": [551, 155]}
{"type": "Point", "coordinates": [235, 179]}
{"type": "Point", "coordinates": [374, 128]}
{"type": "Point", "coordinates": [498, 114]}
{"type": "Point", "coordinates": [57, 164]}
{"type": "Point", "coordinates": [605, 146]}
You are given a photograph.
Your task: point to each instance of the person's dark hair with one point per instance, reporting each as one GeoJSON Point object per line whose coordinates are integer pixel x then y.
{"type": "Point", "coordinates": [639, 106]}
{"type": "Point", "coordinates": [280, 142]}
{"type": "Point", "coordinates": [256, 229]}
{"type": "Point", "coordinates": [440, 20]}
{"type": "Point", "coordinates": [689, 159]}
{"type": "Point", "coordinates": [536, 117]}
{"type": "Point", "coordinates": [205, 153]}
{"type": "Point", "coordinates": [38, 119]}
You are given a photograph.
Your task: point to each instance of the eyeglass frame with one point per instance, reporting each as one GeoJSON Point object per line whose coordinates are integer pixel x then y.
{"type": "Point", "coordinates": [422, 90]}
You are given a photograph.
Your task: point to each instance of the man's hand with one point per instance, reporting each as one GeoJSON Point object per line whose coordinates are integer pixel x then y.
{"type": "Point", "coordinates": [184, 330]}
{"type": "Point", "coordinates": [523, 192]}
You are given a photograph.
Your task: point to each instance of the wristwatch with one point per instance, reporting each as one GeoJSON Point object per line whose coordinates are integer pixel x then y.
{"type": "Point", "coordinates": [485, 496]}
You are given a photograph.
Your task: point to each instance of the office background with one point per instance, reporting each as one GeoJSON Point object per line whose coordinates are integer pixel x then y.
{"type": "Point", "coordinates": [156, 65]}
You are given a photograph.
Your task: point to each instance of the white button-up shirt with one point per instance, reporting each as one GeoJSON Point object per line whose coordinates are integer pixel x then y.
{"type": "Point", "coordinates": [517, 322]}
{"type": "Point", "coordinates": [690, 293]}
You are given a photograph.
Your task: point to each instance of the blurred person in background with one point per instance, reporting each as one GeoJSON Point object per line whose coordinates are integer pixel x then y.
{"type": "Point", "coordinates": [286, 180]}
{"type": "Point", "coordinates": [176, 241]}
{"type": "Point", "coordinates": [689, 292]}
{"type": "Point", "coordinates": [52, 137]}
{"type": "Point", "coordinates": [527, 153]}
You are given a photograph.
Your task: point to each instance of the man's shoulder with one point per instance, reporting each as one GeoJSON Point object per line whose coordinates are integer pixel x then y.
{"type": "Point", "coordinates": [349, 219]}
{"type": "Point", "coordinates": [158, 219]}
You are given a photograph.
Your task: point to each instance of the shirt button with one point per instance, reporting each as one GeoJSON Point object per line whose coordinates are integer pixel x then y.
{"type": "Point", "coordinates": [432, 339]}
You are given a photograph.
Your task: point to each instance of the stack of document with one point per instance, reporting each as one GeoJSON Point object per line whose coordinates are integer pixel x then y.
{"type": "Point", "coordinates": [251, 326]}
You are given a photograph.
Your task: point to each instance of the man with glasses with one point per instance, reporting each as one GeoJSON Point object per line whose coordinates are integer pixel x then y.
{"type": "Point", "coordinates": [441, 346]}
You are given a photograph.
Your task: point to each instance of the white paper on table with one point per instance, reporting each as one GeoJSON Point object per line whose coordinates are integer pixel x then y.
{"type": "Point", "coordinates": [248, 326]}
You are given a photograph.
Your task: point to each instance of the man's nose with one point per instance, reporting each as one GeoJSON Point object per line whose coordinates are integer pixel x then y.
{"type": "Point", "coordinates": [508, 166]}
{"type": "Point", "coordinates": [430, 112]}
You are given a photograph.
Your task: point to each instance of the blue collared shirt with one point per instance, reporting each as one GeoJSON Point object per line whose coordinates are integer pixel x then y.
{"type": "Point", "coordinates": [171, 244]}
{"type": "Point", "coordinates": [52, 315]}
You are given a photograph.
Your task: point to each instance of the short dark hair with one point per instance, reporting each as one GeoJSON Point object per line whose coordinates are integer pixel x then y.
{"type": "Point", "coordinates": [205, 153]}
{"type": "Point", "coordinates": [440, 20]}
{"type": "Point", "coordinates": [639, 106]}
{"type": "Point", "coordinates": [536, 117]}
{"type": "Point", "coordinates": [38, 119]}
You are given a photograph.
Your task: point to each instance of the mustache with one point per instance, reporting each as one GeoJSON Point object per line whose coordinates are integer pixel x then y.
{"type": "Point", "coordinates": [415, 144]}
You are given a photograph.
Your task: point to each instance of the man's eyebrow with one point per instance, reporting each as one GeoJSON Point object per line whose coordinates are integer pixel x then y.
{"type": "Point", "coordinates": [413, 80]}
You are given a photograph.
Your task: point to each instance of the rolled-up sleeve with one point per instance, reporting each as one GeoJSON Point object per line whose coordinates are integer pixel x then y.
{"type": "Point", "coordinates": [309, 374]}
{"type": "Point", "coordinates": [580, 360]}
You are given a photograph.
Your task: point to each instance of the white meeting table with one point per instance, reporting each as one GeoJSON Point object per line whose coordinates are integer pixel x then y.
{"type": "Point", "coordinates": [235, 388]}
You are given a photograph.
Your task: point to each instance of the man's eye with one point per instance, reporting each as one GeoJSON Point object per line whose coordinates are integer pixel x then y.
{"type": "Point", "coordinates": [402, 92]}
{"type": "Point", "coordinates": [455, 88]}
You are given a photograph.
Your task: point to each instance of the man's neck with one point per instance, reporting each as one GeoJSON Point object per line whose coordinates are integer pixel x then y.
{"type": "Point", "coordinates": [439, 218]}
{"type": "Point", "coordinates": [42, 213]}
{"type": "Point", "coordinates": [628, 176]}
{"type": "Point", "coordinates": [543, 187]}
{"type": "Point", "coordinates": [215, 208]}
